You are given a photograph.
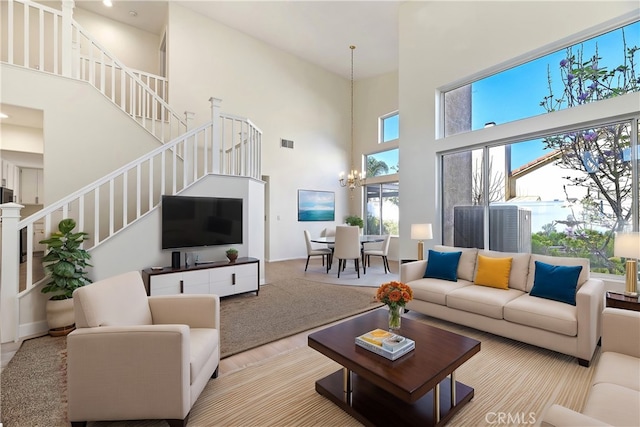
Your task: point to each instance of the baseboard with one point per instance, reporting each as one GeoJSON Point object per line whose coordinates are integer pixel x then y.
{"type": "Point", "coordinates": [34, 329]}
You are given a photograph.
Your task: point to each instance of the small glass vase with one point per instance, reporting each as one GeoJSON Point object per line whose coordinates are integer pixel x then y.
{"type": "Point", "coordinates": [395, 317]}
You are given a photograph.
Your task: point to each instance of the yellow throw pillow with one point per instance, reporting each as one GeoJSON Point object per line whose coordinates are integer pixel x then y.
{"type": "Point", "coordinates": [493, 272]}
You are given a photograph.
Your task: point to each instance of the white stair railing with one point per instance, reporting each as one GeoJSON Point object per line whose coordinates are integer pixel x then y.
{"type": "Point", "coordinates": [228, 145]}
{"type": "Point", "coordinates": [46, 39]}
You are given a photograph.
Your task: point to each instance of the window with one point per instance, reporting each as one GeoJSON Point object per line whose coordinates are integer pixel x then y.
{"type": "Point", "coordinates": [561, 194]}
{"type": "Point", "coordinates": [381, 208]}
{"type": "Point", "coordinates": [382, 163]}
{"type": "Point", "coordinates": [389, 127]}
{"type": "Point", "coordinates": [599, 68]}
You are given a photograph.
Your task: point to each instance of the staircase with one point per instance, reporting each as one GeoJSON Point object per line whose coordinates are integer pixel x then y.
{"type": "Point", "coordinates": [227, 145]}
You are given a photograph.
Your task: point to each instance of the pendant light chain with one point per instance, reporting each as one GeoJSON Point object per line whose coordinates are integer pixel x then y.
{"type": "Point", "coordinates": [352, 47]}
{"type": "Point", "coordinates": [355, 178]}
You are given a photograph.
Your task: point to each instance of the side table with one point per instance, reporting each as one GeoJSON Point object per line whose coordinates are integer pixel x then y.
{"type": "Point", "coordinates": [625, 302]}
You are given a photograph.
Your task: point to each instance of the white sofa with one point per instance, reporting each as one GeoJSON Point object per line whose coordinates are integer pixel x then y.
{"type": "Point", "coordinates": [614, 398]}
{"type": "Point", "coordinates": [512, 312]}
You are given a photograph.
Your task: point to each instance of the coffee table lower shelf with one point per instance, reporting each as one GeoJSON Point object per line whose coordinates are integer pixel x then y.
{"type": "Point", "coordinates": [373, 406]}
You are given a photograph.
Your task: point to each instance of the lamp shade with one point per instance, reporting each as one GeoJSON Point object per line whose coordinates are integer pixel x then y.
{"type": "Point", "coordinates": [627, 245]}
{"type": "Point", "coordinates": [421, 232]}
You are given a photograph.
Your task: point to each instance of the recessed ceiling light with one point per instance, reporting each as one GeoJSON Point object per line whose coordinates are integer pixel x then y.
{"type": "Point", "coordinates": [3, 116]}
{"type": "Point", "coordinates": [107, 3]}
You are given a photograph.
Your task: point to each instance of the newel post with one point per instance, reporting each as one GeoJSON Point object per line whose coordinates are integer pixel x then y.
{"type": "Point", "coordinates": [10, 271]}
{"type": "Point", "coordinates": [216, 134]}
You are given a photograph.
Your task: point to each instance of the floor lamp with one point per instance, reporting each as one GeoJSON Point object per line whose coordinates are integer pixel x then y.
{"type": "Point", "coordinates": [627, 245]}
{"type": "Point", "coordinates": [421, 232]}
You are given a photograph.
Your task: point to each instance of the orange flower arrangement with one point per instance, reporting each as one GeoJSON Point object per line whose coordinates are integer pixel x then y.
{"type": "Point", "coordinates": [394, 294]}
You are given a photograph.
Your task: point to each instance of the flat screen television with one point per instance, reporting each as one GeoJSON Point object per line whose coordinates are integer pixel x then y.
{"type": "Point", "coordinates": [200, 221]}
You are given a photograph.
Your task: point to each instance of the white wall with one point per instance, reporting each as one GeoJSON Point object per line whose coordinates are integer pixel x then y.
{"type": "Point", "coordinates": [373, 97]}
{"type": "Point", "coordinates": [116, 37]}
{"type": "Point", "coordinates": [285, 96]}
{"type": "Point", "coordinates": [85, 135]}
{"type": "Point", "coordinates": [139, 247]}
{"type": "Point", "coordinates": [443, 42]}
{"type": "Point", "coordinates": [21, 138]}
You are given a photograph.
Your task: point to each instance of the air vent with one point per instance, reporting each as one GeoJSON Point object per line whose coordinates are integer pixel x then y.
{"type": "Point", "coordinates": [286, 143]}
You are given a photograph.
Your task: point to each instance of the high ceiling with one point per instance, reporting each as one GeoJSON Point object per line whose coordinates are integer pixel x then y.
{"type": "Point", "coordinates": [317, 31]}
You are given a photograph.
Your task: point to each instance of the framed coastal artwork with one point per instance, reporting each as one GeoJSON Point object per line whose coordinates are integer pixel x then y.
{"type": "Point", "coordinates": [316, 205]}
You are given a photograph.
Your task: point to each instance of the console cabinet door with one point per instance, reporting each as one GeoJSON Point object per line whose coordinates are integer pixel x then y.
{"type": "Point", "coordinates": [165, 284]}
{"type": "Point", "coordinates": [195, 282]}
{"type": "Point", "coordinates": [221, 281]}
{"type": "Point", "coordinates": [246, 278]}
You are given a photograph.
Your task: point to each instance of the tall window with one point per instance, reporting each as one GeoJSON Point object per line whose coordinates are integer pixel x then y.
{"type": "Point", "coordinates": [601, 67]}
{"type": "Point", "coordinates": [389, 127]}
{"type": "Point", "coordinates": [381, 195]}
{"type": "Point", "coordinates": [382, 163]}
{"type": "Point", "coordinates": [382, 208]}
{"type": "Point", "coordinates": [562, 194]}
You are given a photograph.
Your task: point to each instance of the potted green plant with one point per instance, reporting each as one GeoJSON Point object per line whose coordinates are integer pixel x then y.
{"type": "Point", "coordinates": [354, 221]}
{"type": "Point", "coordinates": [232, 254]}
{"type": "Point", "coordinates": [65, 262]}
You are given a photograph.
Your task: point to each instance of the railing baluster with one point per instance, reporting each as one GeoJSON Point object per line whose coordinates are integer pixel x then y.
{"type": "Point", "coordinates": [123, 90]}
{"type": "Point", "coordinates": [96, 216]}
{"type": "Point", "coordinates": [163, 172]}
{"type": "Point", "coordinates": [112, 211]}
{"type": "Point", "coordinates": [174, 166]}
{"type": "Point", "coordinates": [25, 23]}
{"type": "Point", "coordinates": [55, 45]}
{"type": "Point", "coordinates": [41, 47]}
{"type": "Point", "coordinates": [81, 213]}
{"type": "Point", "coordinates": [184, 165]}
{"type": "Point", "coordinates": [138, 179]}
{"type": "Point", "coordinates": [150, 189]}
{"type": "Point", "coordinates": [195, 158]}
{"type": "Point", "coordinates": [10, 38]}
{"type": "Point", "coordinates": [125, 199]}
{"type": "Point", "coordinates": [29, 277]}
{"type": "Point", "coordinates": [113, 83]}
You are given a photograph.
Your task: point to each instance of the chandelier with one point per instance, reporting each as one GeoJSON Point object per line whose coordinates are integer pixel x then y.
{"type": "Point", "coordinates": [355, 178]}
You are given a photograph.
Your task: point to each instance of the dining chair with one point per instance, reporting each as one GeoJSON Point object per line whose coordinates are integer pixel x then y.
{"type": "Point", "coordinates": [348, 247]}
{"type": "Point", "coordinates": [329, 232]}
{"type": "Point", "coordinates": [311, 251]}
{"type": "Point", "coordinates": [383, 251]}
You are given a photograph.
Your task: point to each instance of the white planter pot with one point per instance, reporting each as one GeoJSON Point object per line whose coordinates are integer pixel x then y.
{"type": "Point", "coordinates": [60, 314]}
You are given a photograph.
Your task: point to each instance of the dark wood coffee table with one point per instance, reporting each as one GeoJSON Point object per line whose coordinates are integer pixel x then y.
{"type": "Point", "coordinates": [412, 390]}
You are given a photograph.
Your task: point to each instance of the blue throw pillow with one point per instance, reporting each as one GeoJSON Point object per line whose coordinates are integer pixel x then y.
{"type": "Point", "coordinates": [443, 265]}
{"type": "Point", "coordinates": [556, 282]}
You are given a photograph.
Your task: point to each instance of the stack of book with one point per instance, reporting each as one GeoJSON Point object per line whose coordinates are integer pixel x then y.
{"type": "Point", "coordinates": [386, 344]}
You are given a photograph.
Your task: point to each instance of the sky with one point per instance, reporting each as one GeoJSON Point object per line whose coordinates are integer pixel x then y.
{"type": "Point", "coordinates": [516, 93]}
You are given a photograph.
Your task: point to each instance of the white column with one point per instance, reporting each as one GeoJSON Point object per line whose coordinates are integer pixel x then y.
{"type": "Point", "coordinates": [9, 273]}
{"type": "Point", "coordinates": [216, 135]}
{"type": "Point", "coordinates": [66, 39]}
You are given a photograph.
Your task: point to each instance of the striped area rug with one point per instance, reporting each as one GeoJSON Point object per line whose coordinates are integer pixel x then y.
{"type": "Point", "coordinates": [510, 378]}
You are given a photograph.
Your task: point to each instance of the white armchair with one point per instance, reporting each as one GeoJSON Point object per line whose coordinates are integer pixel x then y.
{"type": "Point", "coordinates": [136, 357]}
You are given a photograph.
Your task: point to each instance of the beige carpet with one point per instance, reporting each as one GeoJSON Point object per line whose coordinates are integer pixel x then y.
{"type": "Point", "coordinates": [509, 377]}
{"type": "Point", "coordinates": [286, 307]}
{"type": "Point", "coordinates": [316, 272]}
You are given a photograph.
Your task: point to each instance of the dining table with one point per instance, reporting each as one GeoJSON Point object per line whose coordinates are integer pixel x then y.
{"type": "Point", "coordinates": [364, 238]}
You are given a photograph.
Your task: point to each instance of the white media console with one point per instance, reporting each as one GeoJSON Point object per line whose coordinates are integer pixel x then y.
{"type": "Point", "coordinates": [222, 278]}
